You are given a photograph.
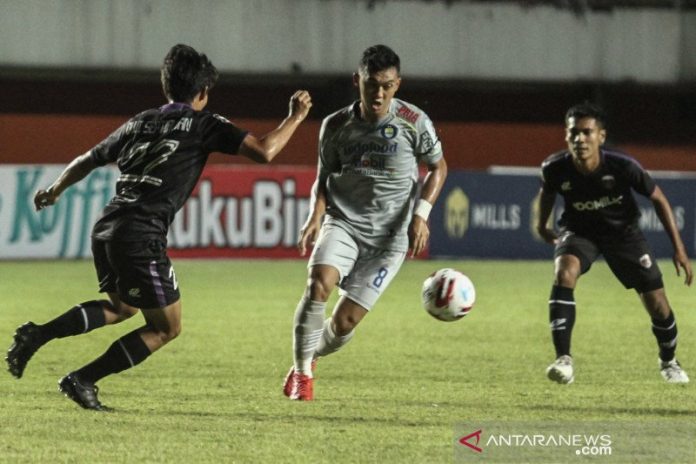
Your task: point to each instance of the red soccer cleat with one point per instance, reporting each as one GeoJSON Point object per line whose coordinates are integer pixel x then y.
{"type": "Point", "coordinates": [290, 379]}
{"type": "Point", "coordinates": [304, 387]}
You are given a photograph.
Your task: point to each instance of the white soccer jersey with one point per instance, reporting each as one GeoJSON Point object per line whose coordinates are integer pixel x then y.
{"type": "Point", "coordinates": [371, 170]}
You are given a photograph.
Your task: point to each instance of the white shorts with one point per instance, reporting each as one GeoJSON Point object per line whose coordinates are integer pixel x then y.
{"type": "Point", "coordinates": [364, 272]}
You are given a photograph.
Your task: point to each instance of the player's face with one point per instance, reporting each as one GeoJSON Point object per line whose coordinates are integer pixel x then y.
{"type": "Point", "coordinates": [584, 137]}
{"type": "Point", "coordinates": [376, 91]}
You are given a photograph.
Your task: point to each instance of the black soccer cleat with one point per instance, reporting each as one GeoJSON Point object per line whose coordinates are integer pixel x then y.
{"type": "Point", "coordinates": [82, 393]}
{"type": "Point", "coordinates": [27, 341]}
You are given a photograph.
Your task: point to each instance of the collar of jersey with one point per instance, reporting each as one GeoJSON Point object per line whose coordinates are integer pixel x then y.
{"type": "Point", "coordinates": [175, 106]}
{"type": "Point", "coordinates": [387, 117]}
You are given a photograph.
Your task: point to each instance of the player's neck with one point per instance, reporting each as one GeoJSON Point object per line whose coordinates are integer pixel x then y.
{"type": "Point", "coordinates": [587, 166]}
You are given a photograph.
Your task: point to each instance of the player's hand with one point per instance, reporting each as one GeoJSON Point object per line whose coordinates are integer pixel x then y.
{"type": "Point", "coordinates": [300, 103]}
{"type": "Point", "coordinates": [44, 198]}
{"type": "Point", "coordinates": [681, 260]}
{"type": "Point", "coordinates": [418, 234]}
{"type": "Point", "coordinates": [308, 235]}
{"type": "Point", "coordinates": [548, 235]}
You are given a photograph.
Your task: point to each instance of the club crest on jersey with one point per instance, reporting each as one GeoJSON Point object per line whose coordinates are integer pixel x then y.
{"type": "Point", "coordinates": [389, 131]}
{"type": "Point", "coordinates": [565, 186]}
{"type": "Point", "coordinates": [645, 261]}
{"type": "Point", "coordinates": [608, 181]}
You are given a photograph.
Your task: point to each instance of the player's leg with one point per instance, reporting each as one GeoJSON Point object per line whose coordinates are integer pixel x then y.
{"type": "Point", "coordinates": [360, 290]}
{"type": "Point", "coordinates": [635, 266]}
{"type": "Point", "coordinates": [664, 328]}
{"type": "Point", "coordinates": [79, 319]}
{"type": "Point", "coordinates": [333, 257]}
{"type": "Point", "coordinates": [162, 326]}
{"type": "Point", "coordinates": [145, 278]}
{"type": "Point", "coordinates": [573, 257]}
{"type": "Point", "coordinates": [310, 313]}
{"type": "Point", "coordinates": [340, 327]}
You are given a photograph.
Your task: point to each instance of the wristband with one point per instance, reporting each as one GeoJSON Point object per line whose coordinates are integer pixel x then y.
{"type": "Point", "coordinates": [422, 209]}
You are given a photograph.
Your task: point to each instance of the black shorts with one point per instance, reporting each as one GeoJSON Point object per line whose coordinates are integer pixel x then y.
{"type": "Point", "coordinates": [139, 272]}
{"type": "Point", "coordinates": [629, 257]}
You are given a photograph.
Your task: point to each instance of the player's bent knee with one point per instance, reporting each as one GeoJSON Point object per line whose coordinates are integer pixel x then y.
{"type": "Point", "coordinates": [319, 289]}
{"type": "Point", "coordinates": [566, 278]}
{"type": "Point", "coordinates": [169, 334]}
{"type": "Point", "coordinates": [345, 324]}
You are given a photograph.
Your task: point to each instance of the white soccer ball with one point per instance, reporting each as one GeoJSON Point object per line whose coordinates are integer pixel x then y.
{"type": "Point", "coordinates": [448, 295]}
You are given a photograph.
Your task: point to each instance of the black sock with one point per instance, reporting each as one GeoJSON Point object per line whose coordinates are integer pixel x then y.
{"type": "Point", "coordinates": [126, 352]}
{"type": "Point", "coordinates": [665, 331]}
{"type": "Point", "coordinates": [562, 318]}
{"type": "Point", "coordinates": [80, 319]}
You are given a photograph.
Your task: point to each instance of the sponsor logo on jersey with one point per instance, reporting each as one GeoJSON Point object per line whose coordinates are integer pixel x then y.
{"type": "Point", "coordinates": [593, 205]}
{"type": "Point", "coordinates": [645, 261]}
{"type": "Point", "coordinates": [362, 148]}
{"type": "Point", "coordinates": [426, 142]}
{"type": "Point", "coordinates": [374, 163]}
{"type": "Point", "coordinates": [134, 293]}
{"type": "Point", "coordinates": [389, 131]}
{"type": "Point", "coordinates": [565, 186]}
{"type": "Point", "coordinates": [407, 114]}
{"type": "Point", "coordinates": [608, 181]}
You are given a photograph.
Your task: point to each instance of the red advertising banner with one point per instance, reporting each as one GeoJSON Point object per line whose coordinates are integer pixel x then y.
{"type": "Point", "coordinates": [242, 212]}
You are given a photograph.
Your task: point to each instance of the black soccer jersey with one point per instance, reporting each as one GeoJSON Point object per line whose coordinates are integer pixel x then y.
{"type": "Point", "coordinates": [161, 153]}
{"type": "Point", "coordinates": [600, 203]}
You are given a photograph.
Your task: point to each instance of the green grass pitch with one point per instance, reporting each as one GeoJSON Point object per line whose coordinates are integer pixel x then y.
{"type": "Point", "coordinates": [395, 394]}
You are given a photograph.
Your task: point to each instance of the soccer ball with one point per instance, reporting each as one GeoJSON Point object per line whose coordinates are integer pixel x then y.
{"type": "Point", "coordinates": [448, 295]}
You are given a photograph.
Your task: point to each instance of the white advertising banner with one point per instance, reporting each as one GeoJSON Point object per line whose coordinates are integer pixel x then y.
{"type": "Point", "coordinates": [62, 231]}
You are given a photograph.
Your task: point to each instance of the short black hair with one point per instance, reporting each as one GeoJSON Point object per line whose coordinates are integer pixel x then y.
{"type": "Point", "coordinates": [185, 72]}
{"type": "Point", "coordinates": [378, 58]}
{"type": "Point", "coordinates": [587, 110]}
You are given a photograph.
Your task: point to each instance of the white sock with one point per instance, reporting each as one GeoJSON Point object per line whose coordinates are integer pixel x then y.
{"type": "Point", "coordinates": [330, 342]}
{"type": "Point", "coordinates": [308, 327]}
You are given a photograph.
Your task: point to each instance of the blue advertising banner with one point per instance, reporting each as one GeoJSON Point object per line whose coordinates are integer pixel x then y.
{"type": "Point", "coordinates": [487, 215]}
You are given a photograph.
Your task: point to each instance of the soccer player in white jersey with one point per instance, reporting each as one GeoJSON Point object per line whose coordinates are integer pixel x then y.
{"type": "Point", "coordinates": [366, 212]}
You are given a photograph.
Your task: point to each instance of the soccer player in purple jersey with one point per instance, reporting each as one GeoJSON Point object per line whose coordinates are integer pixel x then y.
{"type": "Point", "coordinates": [601, 217]}
{"type": "Point", "coordinates": [161, 153]}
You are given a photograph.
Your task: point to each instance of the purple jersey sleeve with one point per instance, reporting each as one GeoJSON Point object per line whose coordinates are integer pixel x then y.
{"type": "Point", "coordinates": [107, 150]}
{"type": "Point", "coordinates": [220, 135]}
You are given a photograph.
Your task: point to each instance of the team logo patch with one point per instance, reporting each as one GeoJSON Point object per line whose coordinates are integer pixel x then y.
{"type": "Point", "coordinates": [645, 261]}
{"type": "Point", "coordinates": [134, 293]}
{"type": "Point", "coordinates": [608, 181]}
{"type": "Point", "coordinates": [389, 131]}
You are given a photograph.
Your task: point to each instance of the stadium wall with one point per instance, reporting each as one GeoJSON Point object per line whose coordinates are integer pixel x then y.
{"type": "Point", "coordinates": [481, 40]}
{"type": "Point", "coordinates": [50, 138]}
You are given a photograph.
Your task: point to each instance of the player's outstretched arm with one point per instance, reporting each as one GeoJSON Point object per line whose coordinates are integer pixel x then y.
{"type": "Point", "coordinates": [546, 201]}
{"type": "Point", "coordinates": [418, 230]}
{"type": "Point", "coordinates": [73, 173]}
{"type": "Point", "coordinates": [264, 149]}
{"type": "Point", "coordinates": [664, 212]}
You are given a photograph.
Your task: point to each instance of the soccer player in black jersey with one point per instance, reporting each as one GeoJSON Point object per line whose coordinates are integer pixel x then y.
{"type": "Point", "coordinates": [161, 153]}
{"type": "Point", "coordinates": [601, 217]}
